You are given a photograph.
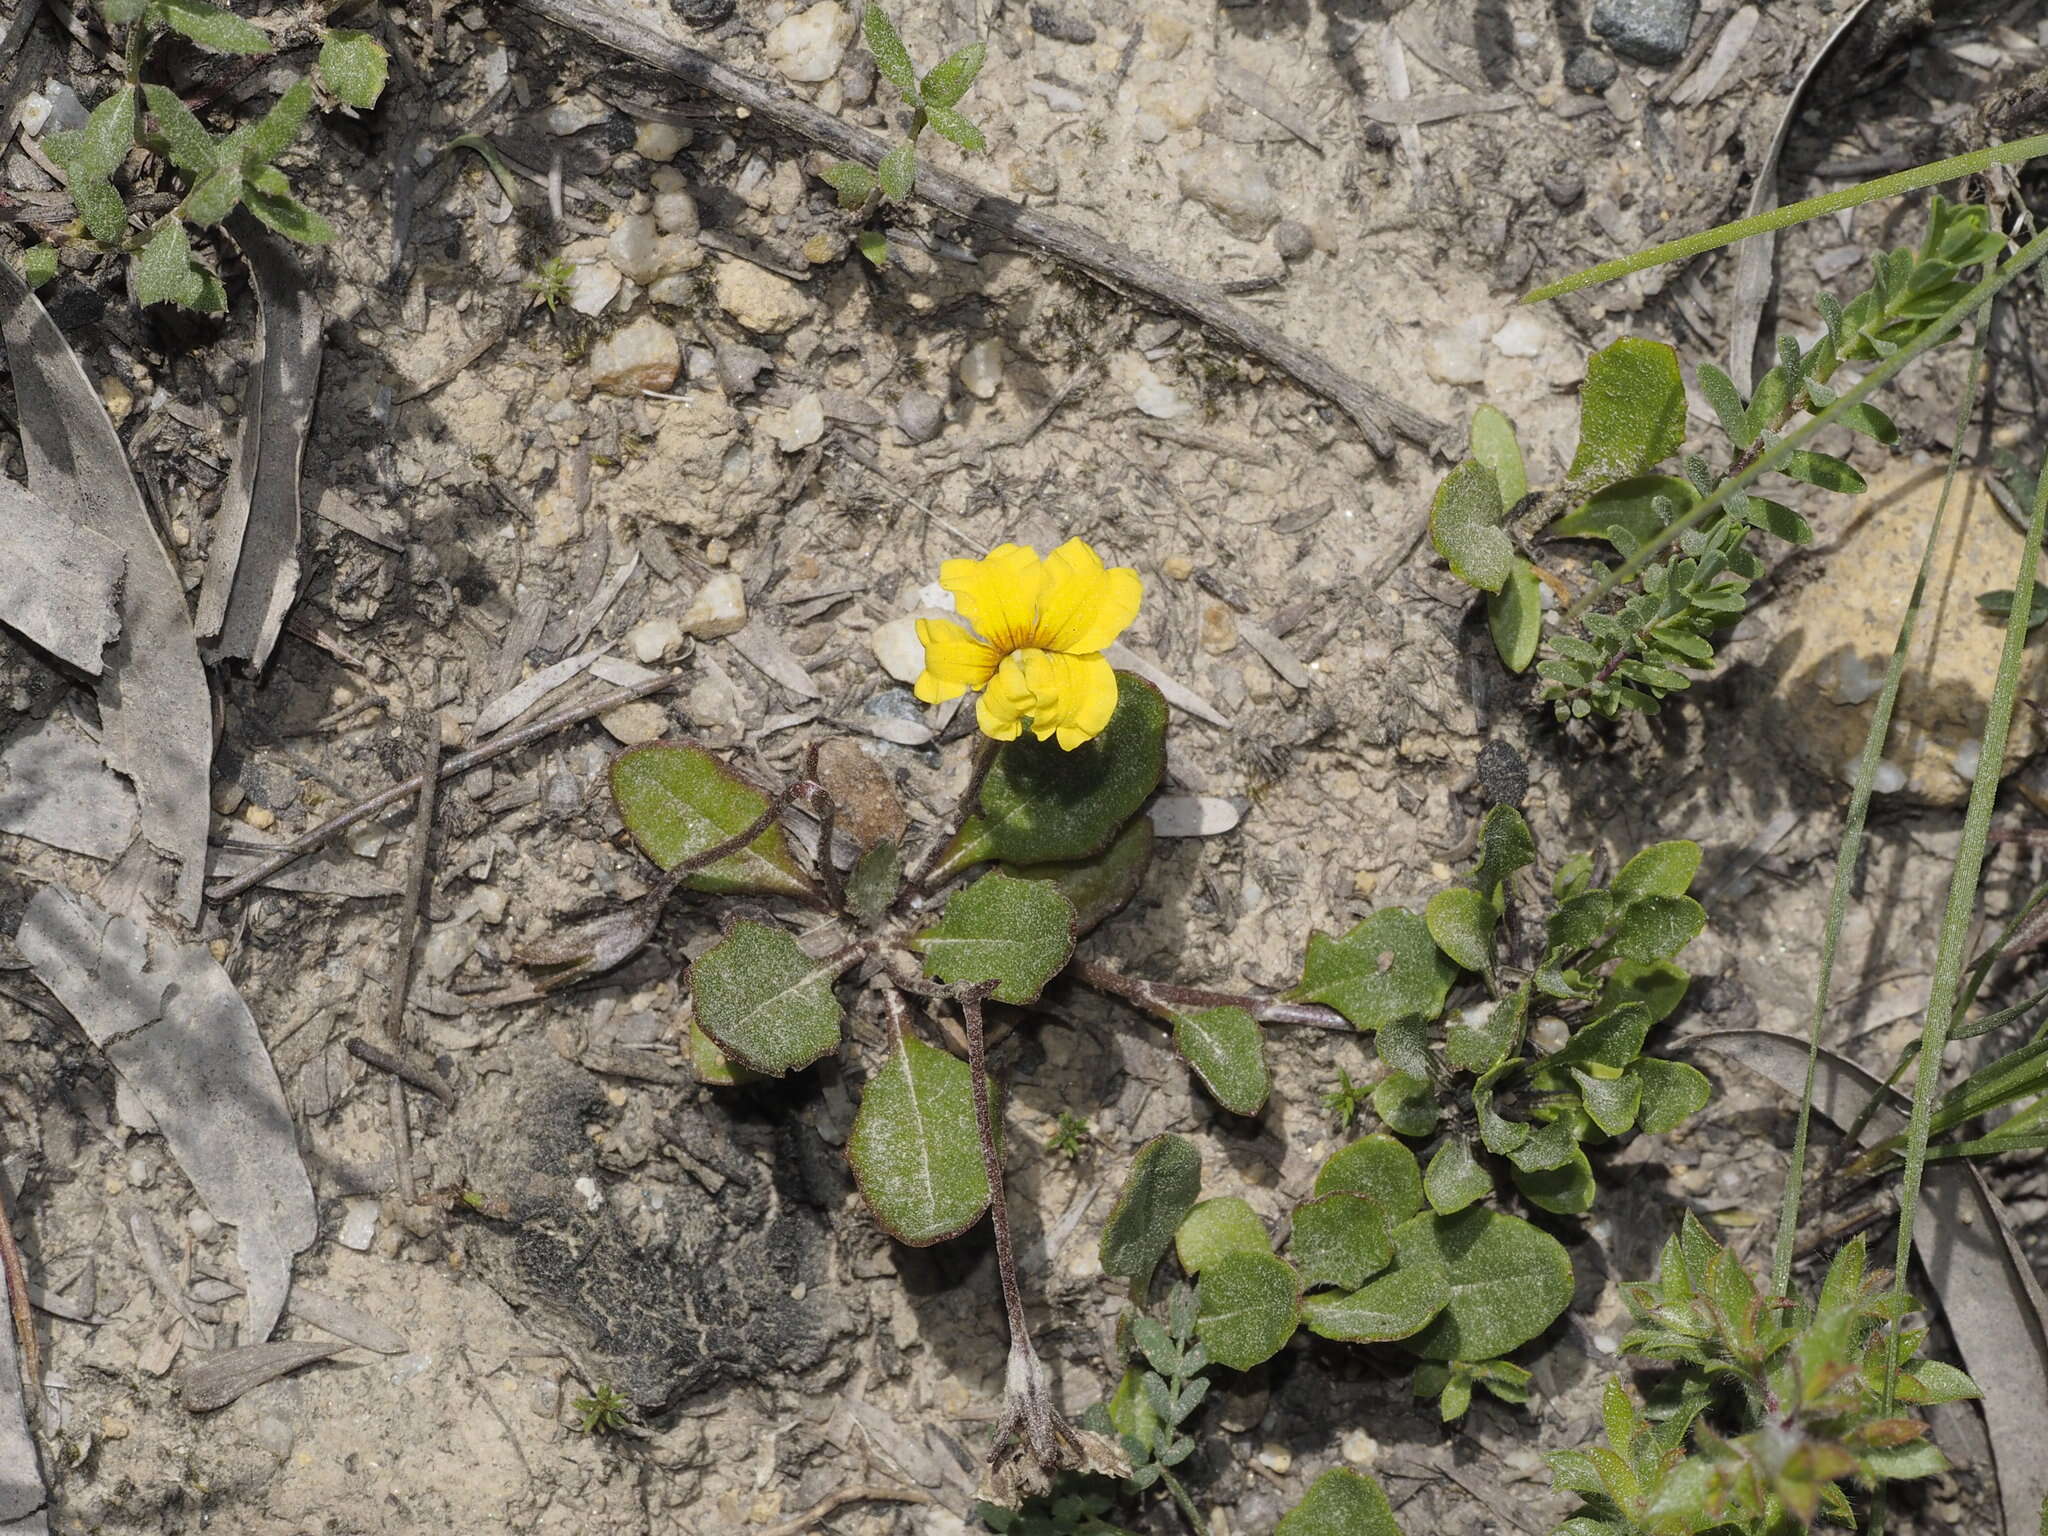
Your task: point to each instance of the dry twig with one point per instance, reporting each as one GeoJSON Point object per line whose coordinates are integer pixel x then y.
{"type": "Point", "coordinates": [857, 1493]}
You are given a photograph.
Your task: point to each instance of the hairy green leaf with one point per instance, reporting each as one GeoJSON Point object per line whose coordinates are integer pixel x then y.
{"type": "Point", "coordinates": [1397, 1305]}
{"type": "Point", "coordinates": [1406, 1104]}
{"type": "Point", "coordinates": [164, 272]}
{"type": "Point", "coordinates": [1465, 526]}
{"type": "Point", "coordinates": [1016, 933]}
{"type": "Point", "coordinates": [353, 66]}
{"type": "Point", "coordinates": [1672, 1094]}
{"type": "Point", "coordinates": [1641, 506]}
{"type": "Point", "coordinates": [287, 215]}
{"type": "Point", "coordinates": [211, 27]}
{"type": "Point", "coordinates": [914, 1149]}
{"type": "Point", "coordinates": [766, 1003]}
{"type": "Point", "coordinates": [677, 801]}
{"type": "Point", "coordinates": [1247, 1308]}
{"type": "Point", "coordinates": [214, 197]}
{"type": "Point", "coordinates": [1461, 920]}
{"type": "Point", "coordinates": [1161, 1188]}
{"type": "Point", "coordinates": [1381, 1169]}
{"type": "Point", "coordinates": [1507, 1281]}
{"type": "Point", "coordinates": [1218, 1227]}
{"type": "Point", "coordinates": [276, 130]}
{"type": "Point", "coordinates": [1099, 886]}
{"type": "Point", "coordinates": [1514, 616]}
{"type": "Point", "coordinates": [949, 79]}
{"type": "Point", "coordinates": [1455, 1177]}
{"type": "Point", "coordinates": [851, 180]}
{"type": "Point", "coordinates": [950, 125]}
{"type": "Point", "coordinates": [192, 148]}
{"type": "Point", "coordinates": [1631, 412]}
{"type": "Point", "coordinates": [896, 172]}
{"type": "Point", "coordinates": [1227, 1052]}
{"type": "Point", "coordinates": [892, 59]}
{"type": "Point", "coordinates": [1662, 869]}
{"type": "Point", "coordinates": [1340, 1240]}
{"type": "Point", "coordinates": [1494, 445]}
{"type": "Point", "coordinates": [38, 265]}
{"type": "Point", "coordinates": [1386, 968]}
{"type": "Point", "coordinates": [1340, 1503]}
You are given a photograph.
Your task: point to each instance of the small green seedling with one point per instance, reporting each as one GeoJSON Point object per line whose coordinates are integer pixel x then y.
{"type": "Point", "coordinates": [1777, 1403]}
{"type": "Point", "coordinates": [549, 284]}
{"type": "Point", "coordinates": [604, 1412]}
{"type": "Point", "coordinates": [1344, 1101]}
{"type": "Point", "coordinates": [1644, 644]}
{"type": "Point", "coordinates": [219, 172]}
{"type": "Point", "coordinates": [934, 103]}
{"type": "Point", "coordinates": [1072, 1136]}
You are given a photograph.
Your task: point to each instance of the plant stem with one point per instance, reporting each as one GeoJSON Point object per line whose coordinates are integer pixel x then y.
{"type": "Point", "coordinates": [1187, 1505]}
{"type": "Point", "coordinates": [984, 759]}
{"type": "Point", "coordinates": [1168, 1000]}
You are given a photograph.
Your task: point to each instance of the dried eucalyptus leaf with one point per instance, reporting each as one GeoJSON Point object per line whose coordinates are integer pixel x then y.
{"type": "Point", "coordinates": [1247, 1305]}
{"type": "Point", "coordinates": [1161, 1188]}
{"type": "Point", "coordinates": [914, 1149]}
{"type": "Point", "coordinates": [183, 1041]}
{"type": "Point", "coordinates": [1508, 1281]}
{"type": "Point", "coordinates": [1226, 1050]}
{"type": "Point", "coordinates": [61, 583]}
{"type": "Point", "coordinates": [1217, 1227]}
{"type": "Point", "coordinates": [214, 1381]}
{"type": "Point", "coordinates": [677, 801]}
{"type": "Point", "coordinates": [1015, 933]}
{"type": "Point", "coordinates": [766, 1003]}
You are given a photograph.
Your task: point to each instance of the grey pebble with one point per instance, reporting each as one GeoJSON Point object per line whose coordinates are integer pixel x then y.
{"type": "Point", "coordinates": [702, 13]}
{"type": "Point", "coordinates": [1292, 240]}
{"type": "Point", "coordinates": [1047, 22]}
{"type": "Point", "coordinates": [1648, 31]}
{"type": "Point", "coordinates": [920, 416]}
{"type": "Point", "coordinates": [1564, 188]}
{"type": "Point", "coordinates": [1590, 70]}
{"type": "Point", "coordinates": [739, 367]}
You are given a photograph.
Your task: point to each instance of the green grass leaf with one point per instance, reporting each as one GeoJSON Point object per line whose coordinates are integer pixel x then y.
{"type": "Point", "coordinates": [1218, 1227]}
{"type": "Point", "coordinates": [1507, 1281]}
{"type": "Point", "coordinates": [1164, 1182]}
{"type": "Point", "coordinates": [677, 801]}
{"type": "Point", "coordinates": [1385, 968]}
{"type": "Point", "coordinates": [763, 1001]}
{"type": "Point", "coordinates": [1631, 412]}
{"type": "Point", "coordinates": [353, 66]}
{"type": "Point", "coordinates": [1247, 1306]}
{"type": "Point", "coordinates": [914, 1149]}
{"type": "Point", "coordinates": [1015, 933]}
{"type": "Point", "coordinates": [1226, 1050]}
{"type": "Point", "coordinates": [1465, 519]}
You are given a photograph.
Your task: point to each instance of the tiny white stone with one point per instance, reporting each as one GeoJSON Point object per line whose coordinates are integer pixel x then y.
{"type": "Point", "coordinates": [592, 286]}
{"type": "Point", "coordinates": [719, 608]}
{"type": "Point", "coordinates": [1158, 399]}
{"type": "Point", "coordinates": [359, 1222]}
{"type": "Point", "coordinates": [593, 1197]}
{"type": "Point", "coordinates": [636, 723]}
{"type": "Point", "coordinates": [575, 115]}
{"type": "Point", "coordinates": [981, 368]}
{"type": "Point", "coordinates": [659, 141]}
{"type": "Point", "coordinates": [802, 425]}
{"type": "Point", "coordinates": [644, 355]}
{"type": "Point", "coordinates": [1967, 757]}
{"type": "Point", "coordinates": [898, 649]}
{"type": "Point", "coordinates": [654, 639]}
{"type": "Point", "coordinates": [1523, 336]}
{"type": "Point", "coordinates": [809, 45]}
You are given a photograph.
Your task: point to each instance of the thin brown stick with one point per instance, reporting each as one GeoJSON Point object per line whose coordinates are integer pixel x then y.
{"type": "Point", "coordinates": [1165, 998]}
{"type": "Point", "coordinates": [403, 1068]}
{"type": "Point", "coordinates": [984, 759]}
{"type": "Point", "coordinates": [1104, 260]}
{"type": "Point", "coordinates": [856, 1494]}
{"type": "Point", "coordinates": [18, 1304]}
{"type": "Point", "coordinates": [405, 789]}
{"type": "Point", "coordinates": [418, 875]}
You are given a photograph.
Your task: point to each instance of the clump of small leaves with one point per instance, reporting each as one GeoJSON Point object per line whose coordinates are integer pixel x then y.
{"type": "Point", "coordinates": [549, 284]}
{"type": "Point", "coordinates": [1512, 1045]}
{"type": "Point", "coordinates": [1775, 1406]}
{"type": "Point", "coordinates": [1366, 1262]}
{"type": "Point", "coordinates": [604, 1412]}
{"type": "Point", "coordinates": [1647, 638]}
{"type": "Point", "coordinates": [1343, 1102]}
{"type": "Point", "coordinates": [1071, 1136]}
{"type": "Point", "coordinates": [220, 172]}
{"type": "Point", "coordinates": [935, 104]}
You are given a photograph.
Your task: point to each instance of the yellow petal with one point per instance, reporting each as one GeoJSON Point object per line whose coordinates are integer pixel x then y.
{"type": "Point", "coordinates": [954, 661]}
{"type": "Point", "coordinates": [1071, 697]}
{"type": "Point", "coordinates": [1003, 705]}
{"type": "Point", "coordinates": [1084, 606]}
{"type": "Point", "coordinates": [998, 595]}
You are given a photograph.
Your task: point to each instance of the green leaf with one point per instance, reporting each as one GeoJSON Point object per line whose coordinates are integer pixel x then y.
{"type": "Point", "coordinates": [1161, 1188]}
{"type": "Point", "coordinates": [1465, 526]}
{"type": "Point", "coordinates": [711, 1065]}
{"type": "Point", "coordinates": [1386, 968]}
{"type": "Point", "coordinates": [851, 180]}
{"type": "Point", "coordinates": [951, 76]}
{"type": "Point", "coordinates": [1613, 1040]}
{"type": "Point", "coordinates": [1726, 400]}
{"type": "Point", "coordinates": [352, 65]}
{"type": "Point", "coordinates": [1631, 412]}
{"type": "Point", "coordinates": [1340, 1503]}
{"type": "Point", "coordinates": [896, 172]}
{"type": "Point", "coordinates": [1227, 1052]}
{"type": "Point", "coordinates": [211, 27]}
{"type": "Point", "coordinates": [1672, 1093]}
{"type": "Point", "coordinates": [1505, 846]}
{"type": "Point", "coordinates": [163, 272]}
{"type": "Point", "coordinates": [677, 801]}
{"type": "Point", "coordinates": [1631, 505]}
{"type": "Point", "coordinates": [1340, 1240]}
{"type": "Point", "coordinates": [38, 265]}
{"type": "Point", "coordinates": [214, 197]}
{"type": "Point", "coordinates": [1099, 886]}
{"type": "Point", "coordinates": [1662, 869]}
{"type": "Point", "coordinates": [1406, 1104]}
{"type": "Point", "coordinates": [1871, 422]}
{"type": "Point", "coordinates": [874, 247]}
{"type": "Point", "coordinates": [1579, 921]}
{"type": "Point", "coordinates": [1040, 803]}
{"type": "Point", "coordinates": [1778, 520]}
{"type": "Point", "coordinates": [1016, 933]}
{"type": "Point", "coordinates": [1514, 616]}
{"type": "Point", "coordinates": [1610, 1101]}
{"type": "Point", "coordinates": [766, 1003]}
{"type": "Point", "coordinates": [1455, 1177]}
{"type": "Point", "coordinates": [287, 215]}
{"type": "Point", "coordinates": [103, 143]}
{"type": "Point", "coordinates": [1247, 1305]}
{"type": "Point", "coordinates": [874, 881]}
{"type": "Point", "coordinates": [914, 1149]}
{"type": "Point", "coordinates": [100, 206]}
{"type": "Point", "coordinates": [1658, 927]}
{"type": "Point", "coordinates": [1494, 445]}
{"type": "Point", "coordinates": [121, 12]}
{"type": "Point", "coordinates": [1476, 1048]}
{"type": "Point", "coordinates": [891, 57]}
{"type": "Point", "coordinates": [1507, 1280]}
{"type": "Point", "coordinates": [1657, 984]}
{"type": "Point", "coordinates": [1823, 470]}
{"type": "Point", "coordinates": [1566, 1190]}
{"type": "Point", "coordinates": [1381, 1169]}
{"type": "Point", "coordinates": [1217, 1227]}
{"type": "Point", "coordinates": [279, 127]}
{"type": "Point", "coordinates": [192, 148]}
{"type": "Point", "coordinates": [1461, 922]}
{"type": "Point", "coordinates": [950, 125]}
{"type": "Point", "coordinates": [1397, 1305]}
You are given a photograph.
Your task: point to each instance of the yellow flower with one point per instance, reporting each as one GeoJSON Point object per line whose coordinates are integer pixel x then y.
{"type": "Point", "coordinates": [1035, 653]}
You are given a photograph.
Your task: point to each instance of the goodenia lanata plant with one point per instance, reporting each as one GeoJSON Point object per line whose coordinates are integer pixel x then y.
{"type": "Point", "coordinates": [1642, 645]}
{"type": "Point", "coordinates": [220, 172]}
{"type": "Point", "coordinates": [934, 101]}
